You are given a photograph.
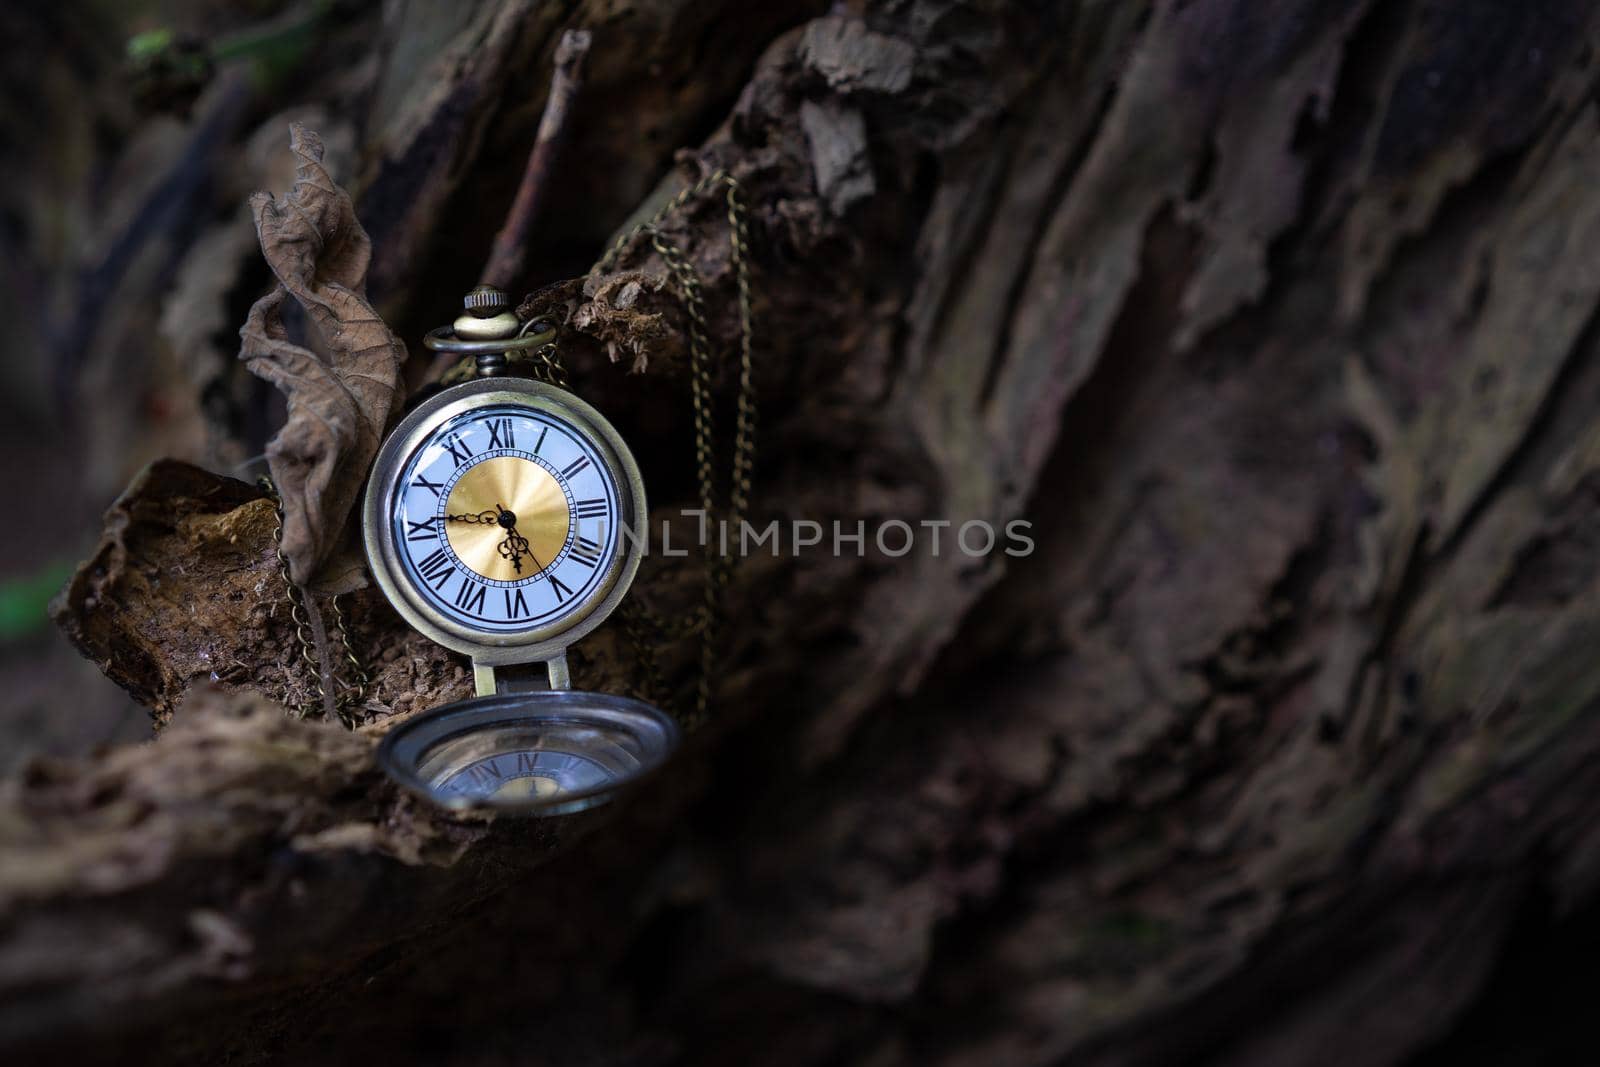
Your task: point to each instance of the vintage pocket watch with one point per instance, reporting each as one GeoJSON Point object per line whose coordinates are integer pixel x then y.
{"type": "Point", "coordinates": [503, 520]}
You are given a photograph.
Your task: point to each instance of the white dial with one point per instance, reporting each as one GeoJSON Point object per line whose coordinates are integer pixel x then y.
{"type": "Point", "coordinates": [507, 518]}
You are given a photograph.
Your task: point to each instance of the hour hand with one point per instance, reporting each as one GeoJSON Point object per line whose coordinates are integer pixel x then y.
{"type": "Point", "coordinates": [513, 548]}
{"type": "Point", "coordinates": [488, 517]}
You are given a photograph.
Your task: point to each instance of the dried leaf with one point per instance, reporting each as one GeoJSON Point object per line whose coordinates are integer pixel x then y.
{"type": "Point", "coordinates": [339, 403]}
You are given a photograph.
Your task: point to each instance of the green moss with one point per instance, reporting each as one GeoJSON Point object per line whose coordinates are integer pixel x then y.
{"type": "Point", "coordinates": [25, 601]}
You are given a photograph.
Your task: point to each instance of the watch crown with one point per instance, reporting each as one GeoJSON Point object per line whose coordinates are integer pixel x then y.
{"type": "Point", "coordinates": [485, 301]}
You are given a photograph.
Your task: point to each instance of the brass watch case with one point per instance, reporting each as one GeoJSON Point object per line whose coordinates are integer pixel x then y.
{"type": "Point", "coordinates": [542, 643]}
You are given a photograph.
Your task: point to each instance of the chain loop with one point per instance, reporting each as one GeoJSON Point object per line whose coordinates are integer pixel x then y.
{"type": "Point", "coordinates": [349, 694]}
{"type": "Point", "coordinates": [548, 365]}
{"type": "Point", "coordinates": [638, 618]}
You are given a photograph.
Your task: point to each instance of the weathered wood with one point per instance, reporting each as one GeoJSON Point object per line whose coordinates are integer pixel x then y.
{"type": "Point", "coordinates": [1275, 322]}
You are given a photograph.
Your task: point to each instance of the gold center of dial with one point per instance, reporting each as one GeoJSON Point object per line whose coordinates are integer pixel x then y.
{"type": "Point", "coordinates": [526, 787]}
{"type": "Point", "coordinates": [506, 518]}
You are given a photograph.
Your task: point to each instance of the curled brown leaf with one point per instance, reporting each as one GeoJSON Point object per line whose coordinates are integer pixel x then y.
{"type": "Point", "coordinates": [340, 400]}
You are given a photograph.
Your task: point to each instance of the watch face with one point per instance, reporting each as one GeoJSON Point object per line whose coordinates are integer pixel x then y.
{"type": "Point", "coordinates": [507, 518]}
{"type": "Point", "coordinates": [539, 753]}
{"type": "Point", "coordinates": [528, 775]}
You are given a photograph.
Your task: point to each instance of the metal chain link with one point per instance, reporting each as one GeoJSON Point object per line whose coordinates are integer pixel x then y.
{"type": "Point", "coordinates": [546, 359]}
{"type": "Point", "coordinates": [351, 693]}
{"type": "Point", "coordinates": [549, 367]}
{"type": "Point", "coordinates": [638, 619]}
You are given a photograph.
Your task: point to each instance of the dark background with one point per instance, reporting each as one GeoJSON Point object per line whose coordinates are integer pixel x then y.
{"type": "Point", "coordinates": [1421, 161]}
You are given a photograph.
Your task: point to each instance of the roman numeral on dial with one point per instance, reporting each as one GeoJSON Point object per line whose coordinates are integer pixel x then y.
{"type": "Point", "coordinates": [486, 774]}
{"type": "Point", "coordinates": [500, 433]}
{"type": "Point", "coordinates": [586, 552]}
{"type": "Point", "coordinates": [437, 568]}
{"type": "Point", "coordinates": [457, 448]}
{"type": "Point", "coordinates": [429, 544]}
{"type": "Point", "coordinates": [470, 596]}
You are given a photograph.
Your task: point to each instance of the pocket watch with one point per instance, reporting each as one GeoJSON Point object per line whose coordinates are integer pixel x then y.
{"type": "Point", "coordinates": [504, 520]}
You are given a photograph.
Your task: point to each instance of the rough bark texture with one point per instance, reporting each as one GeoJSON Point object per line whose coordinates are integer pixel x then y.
{"type": "Point", "coordinates": [1276, 322]}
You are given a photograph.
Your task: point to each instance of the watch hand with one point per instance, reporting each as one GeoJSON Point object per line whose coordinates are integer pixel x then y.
{"type": "Point", "coordinates": [513, 548]}
{"type": "Point", "coordinates": [486, 517]}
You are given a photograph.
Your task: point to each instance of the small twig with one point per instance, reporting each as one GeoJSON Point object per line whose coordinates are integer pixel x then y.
{"type": "Point", "coordinates": [510, 244]}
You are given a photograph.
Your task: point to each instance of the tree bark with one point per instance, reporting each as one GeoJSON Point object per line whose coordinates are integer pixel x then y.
{"type": "Point", "coordinates": [1275, 322]}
